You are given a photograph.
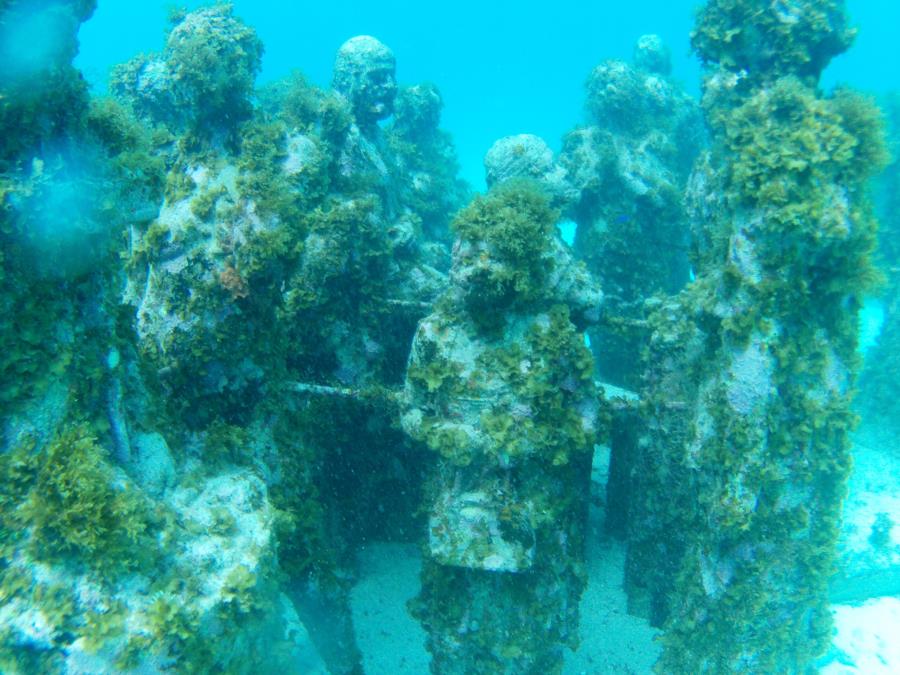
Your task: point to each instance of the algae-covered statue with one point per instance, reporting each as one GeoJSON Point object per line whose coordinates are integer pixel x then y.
{"type": "Point", "coordinates": [364, 80]}
{"type": "Point", "coordinates": [365, 72]}
{"type": "Point", "coordinates": [499, 389]}
{"type": "Point", "coordinates": [629, 166]}
{"type": "Point", "coordinates": [284, 253]}
{"type": "Point", "coordinates": [426, 158]}
{"type": "Point", "coordinates": [529, 156]}
{"type": "Point", "coordinates": [110, 561]}
{"type": "Point", "coordinates": [744, 464]}
{"type": "Point", "coordinates": [202, 81]}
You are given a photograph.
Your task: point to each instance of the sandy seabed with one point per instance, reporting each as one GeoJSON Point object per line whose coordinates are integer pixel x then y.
{"type": "Point", "coordinates": [866, 642]}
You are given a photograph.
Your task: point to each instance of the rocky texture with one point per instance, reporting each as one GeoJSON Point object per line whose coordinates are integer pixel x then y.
{"type": "Point", "coordinates": [499, 389]}
{"type": "Point", "coordinates": [747, 453]}
{"type": "Point", "coordinates": [187, 584]}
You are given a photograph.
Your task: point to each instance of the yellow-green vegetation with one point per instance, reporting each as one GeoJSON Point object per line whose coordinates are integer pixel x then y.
{"type": "Point", "coordinates": [513, 226]}
{"type": "Point", "coordinates": [436, 375]}
{"type": "Point", "coordinates": [179, 183]}
{"type": "Point", "coordinates": [72, 505]}
{"type": "Point", "coordinates": [203, 205]}
{"type": "Point", "coordinates": [240, 597]}
{"type": "Point", "coordinates": [263, 152]}
{"type": "Point", "coordinates": [131, 145]}
{"type": "Point", "coordinates": [500, 390]}
{"type": "Point", "coordinates": [57, 608]}
{"type": "Point", "coordinates": [750, 389]}
{"type": "Point", "coordinates": [293, 100]}
{"type": "Point", "coordinates": [215, 59]}
{"type": "Point", "coordinates": [560, 372]}
{"type": "Point", "coordinates": [771, 39]}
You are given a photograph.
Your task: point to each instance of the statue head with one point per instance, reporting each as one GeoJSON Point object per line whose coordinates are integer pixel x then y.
{"type": "Point", "coordinates": [528, 156]}
{"type": "Point", "coordinates": [651, 54]}
{"type": "Point", "coordinates": [365, 73]}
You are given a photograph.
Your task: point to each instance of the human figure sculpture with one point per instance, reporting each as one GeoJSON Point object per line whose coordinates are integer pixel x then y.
{"type": "Point", "coordinates": [500, 389]}
{"type": "Point", "coordinates": [365, 73]}
{"type": "Point", "coordinates": [427, 159]}
{"type": "Point", "coordinates": [629, 165]}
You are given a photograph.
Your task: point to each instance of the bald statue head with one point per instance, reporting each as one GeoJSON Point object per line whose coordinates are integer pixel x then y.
{"type": "Point", "coordinates": [365, 73]}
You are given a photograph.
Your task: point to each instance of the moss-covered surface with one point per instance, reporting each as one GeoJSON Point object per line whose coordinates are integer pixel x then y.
{"type": "Point", "coordinates": [252, 258]}
{"type": "Point", "coordinates": [201, 85]}
{"type": "Point", "coordinates": [500, 392]}
{"type": "Point", "coordinates": [748, 398]}
{"type": "Point", "coordinates": [532, 463]}
{"type": "Point", "coordinates": [630, 165]}
{"type": "Point", "coordinates": [431, 187]}
{"type": "Point", "coordinates": [66, 498]}
{"type": "Point", "coordinates": [772, 39]}
{"type": "Point", "coordinates": [511, 228]}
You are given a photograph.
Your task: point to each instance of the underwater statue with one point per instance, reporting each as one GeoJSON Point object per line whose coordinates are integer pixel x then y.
{"type": "Point", "coordinates": [110, 561]}
{"type": "Point", "coordinates": [285, 259]}
{"type": "Point", "coordinates": [428, 167]}
{"type": "Point", "coordinates": [629, 166]}
{"type": "Point", "coordinates": [364, 80]}
{"type": "Point", "coordinates": [202, 82]}
{"type": "Point", "coordinates": [247, 332]}
{"type": "Point", "coordinates": [529, 156]}
{"type": "Point", "coordinates": [499, 389]}
{"type": "Point", "coordinates": [750, 371]}
{"type": "Point", "coordinates": [365, 73]}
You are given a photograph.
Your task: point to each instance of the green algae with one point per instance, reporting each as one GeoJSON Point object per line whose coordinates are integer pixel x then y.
{"type": "Point", "coordinates": [765, 348]}
{"type": "Point", "coordinates": [67, 498]}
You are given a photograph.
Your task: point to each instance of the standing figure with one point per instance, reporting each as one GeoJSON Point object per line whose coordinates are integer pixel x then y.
{"type": "Point", "coordinates": [500, 390]}
{"type": "Point", "coordinates": [629, 166]}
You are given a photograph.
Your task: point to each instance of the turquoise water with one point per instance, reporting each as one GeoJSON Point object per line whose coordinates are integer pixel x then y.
{"type": "Point", "coordinates": [503, 67]}
{"type": "Point", "coordinates": [507, 338]}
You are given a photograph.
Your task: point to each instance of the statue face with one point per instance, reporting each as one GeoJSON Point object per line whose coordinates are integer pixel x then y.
{"type": "Point", "coordinates": [482, 277]}
{"type": "Point", "coordinates": [365, 73]}
{"type": "Point", "coordinates": [374, 99]}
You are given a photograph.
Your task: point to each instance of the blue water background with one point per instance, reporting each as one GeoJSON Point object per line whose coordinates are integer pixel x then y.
{"type": "Point", "coordinates": [503, 67]}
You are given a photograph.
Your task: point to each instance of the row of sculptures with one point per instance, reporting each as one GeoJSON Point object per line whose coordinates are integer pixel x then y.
{"type": "Point", "coordinates": [257, 328]}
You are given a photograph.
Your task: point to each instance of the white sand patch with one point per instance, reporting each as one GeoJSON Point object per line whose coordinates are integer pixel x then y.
{"type": "Point", "coordinates": [866, 639]}
{"type": "Point", "coordinates": [612, 641]}
{"type": "Point", "coordinates": [392, 642]}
